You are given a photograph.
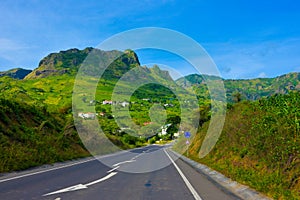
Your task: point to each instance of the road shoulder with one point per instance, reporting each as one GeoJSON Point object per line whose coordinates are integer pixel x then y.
{"type": "Point", "coordinates": [226, 184]}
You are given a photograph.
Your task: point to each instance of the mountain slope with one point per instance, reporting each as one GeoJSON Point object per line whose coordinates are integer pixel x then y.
{"type": "Point", "coordinates": [250, 89]}
{"type": "Point", "coordinates": [69, 61]}
{"type": "Point", "coordinates": [17, 73]}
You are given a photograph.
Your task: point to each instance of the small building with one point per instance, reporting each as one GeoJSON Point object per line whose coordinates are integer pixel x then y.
{"type": "Point", "coordinates": [124, 103]}
{"type": "Point", "coordinates": [107, 102]}
{"type": "Point", "coordinates": [87, 115]}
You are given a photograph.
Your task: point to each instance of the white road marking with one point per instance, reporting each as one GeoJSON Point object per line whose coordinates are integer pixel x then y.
{"type": "Point", "coordinates": [126, 161]}
{"type": "Point", "coordinates": [113, 169]}
{"type": "Point", "coordinates": [68, 189]}
{"type": "Point", "coordinates": [40, 172]}
{"type": "Point", "coordinates": [102, 179]}
{"type": "Point", "coordinates": [140, 154]}
{"type": "Point", "coordinates": [58, 198]}
{"type": "Point", "coordinates": [186, 181]}
{"type": "Point", "coordinates": [81, 186]}
{"type": "Point", "coordinates": [65, 166]}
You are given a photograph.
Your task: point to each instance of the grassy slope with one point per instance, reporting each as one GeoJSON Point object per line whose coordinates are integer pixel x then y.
{"type": "Point", "coordinates": [31, 136]}
{"type": "Point", "coordinates": [259, 145]}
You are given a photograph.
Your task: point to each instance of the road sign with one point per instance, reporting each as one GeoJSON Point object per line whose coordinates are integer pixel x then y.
{"type": "Point", "coordinates": [187, 134]}
{"type": "Point", "coordinates": [187, 142]}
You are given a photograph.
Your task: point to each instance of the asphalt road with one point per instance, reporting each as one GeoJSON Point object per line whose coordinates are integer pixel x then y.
{"type": "Point", "coordinates": [152, 172]}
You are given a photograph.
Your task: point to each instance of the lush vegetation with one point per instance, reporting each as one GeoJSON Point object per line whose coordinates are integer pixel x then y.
{"type": "Point", "coordinates": [31, 136]}
{"type": "Point", "coordinates": [252, 89]}
{"type": "Point", "coordinates": [259, 145]}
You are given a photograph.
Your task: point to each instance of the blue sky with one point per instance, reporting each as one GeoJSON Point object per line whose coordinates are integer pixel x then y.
{"type": "Point", "coordinates": [246, 39]}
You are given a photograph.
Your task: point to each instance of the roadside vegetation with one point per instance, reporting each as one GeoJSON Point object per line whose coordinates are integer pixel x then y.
{"type": "Point", "coordinates": [31, 136]}
{"type": "Point", "coordinates": [259, 145]}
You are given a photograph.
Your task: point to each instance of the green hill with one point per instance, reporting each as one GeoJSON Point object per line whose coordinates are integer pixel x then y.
{"type": "Point", "coordinates": [250, 89]}
{"type": "Point", "coordinates": [17, 73]}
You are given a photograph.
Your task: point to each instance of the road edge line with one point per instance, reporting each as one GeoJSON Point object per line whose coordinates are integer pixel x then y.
{"type": "Point", "coordinates": [186, 181]}
{"type": "Point", "coordinates": [47, 170]}
{"type": "Point", "coordinates": [226, 184]}
{"type": "Point", "coordinates": [52, 168]}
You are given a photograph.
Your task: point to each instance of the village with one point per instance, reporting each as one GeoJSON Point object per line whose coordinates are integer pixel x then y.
{"type": "Point", "coordinates": [105, 112]}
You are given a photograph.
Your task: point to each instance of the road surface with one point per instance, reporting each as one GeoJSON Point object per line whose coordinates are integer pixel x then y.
{"type": "Point", "coordinates": [126, 175]}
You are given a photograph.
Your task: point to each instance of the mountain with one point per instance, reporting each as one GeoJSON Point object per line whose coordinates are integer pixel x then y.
{"type": "Point", "coordinates": [250, 89]}
{"type": "Point", "coordinates": [195, 79]}
{"type": "Point", "coordinates": [17, 73]}
{"type": "Point", "coordinates": [69, 61]}
{"type": "Point", "coordinates": [59, 63]}
{"type": "Point", "coordinates": [52, 82]}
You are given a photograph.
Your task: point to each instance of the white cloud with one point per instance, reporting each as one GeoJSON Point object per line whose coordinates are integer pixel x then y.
{"type": "Point", "coordinates": [10, 45]}
{"type": "Point", "coordinates": [15, 54]}
{"type": "Point", "coordinates": [244, 60]}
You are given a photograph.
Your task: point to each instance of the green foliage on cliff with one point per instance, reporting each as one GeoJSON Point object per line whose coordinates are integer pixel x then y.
{"type": "Point", "coordinates": [259, 145]}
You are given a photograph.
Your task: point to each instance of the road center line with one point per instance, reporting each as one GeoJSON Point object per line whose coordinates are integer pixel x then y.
{"type": "Point", "coordinates": [186, 181]}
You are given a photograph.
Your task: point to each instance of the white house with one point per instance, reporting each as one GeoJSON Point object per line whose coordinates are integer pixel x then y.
{"type": "Point", "coordinates": [87, 115]}
{"type": "Point", "coordinates": [107, 102]}
{"type": "Point", "coordinates": [124, 104]}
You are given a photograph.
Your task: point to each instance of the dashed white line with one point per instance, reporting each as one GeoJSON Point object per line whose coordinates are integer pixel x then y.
{"type": "Point", "coordinates": [186, 181]}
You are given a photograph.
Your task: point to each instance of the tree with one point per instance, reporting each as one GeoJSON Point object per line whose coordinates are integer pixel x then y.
{"type": "Point", "coordinates": [237, 97]}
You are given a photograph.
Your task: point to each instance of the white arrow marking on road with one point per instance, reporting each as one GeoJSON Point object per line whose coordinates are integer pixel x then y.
{"type": "Point", "coordinates": [102, 179]}
{"type": "Point", "coordinates": [113, 169]}
{"type": "Point", "coordinates": [81, 186]}
{"type": "Point", "coordinates": [68, 189]}
{"type": "Point", "coordinates": [127, 161]}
